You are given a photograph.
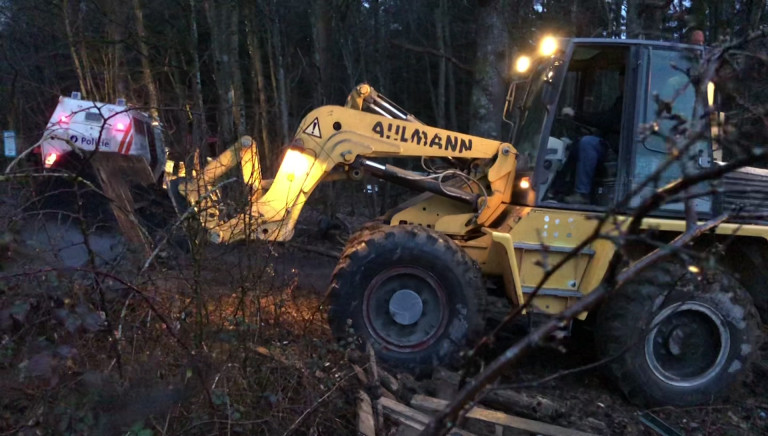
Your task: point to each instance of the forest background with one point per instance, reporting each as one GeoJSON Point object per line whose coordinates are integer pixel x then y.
{"type": "Point", "coordinates": [177, 347]}
{"type": "Point", "coordinates": [213, 70]}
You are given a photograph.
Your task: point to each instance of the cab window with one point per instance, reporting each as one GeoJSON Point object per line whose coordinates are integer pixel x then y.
{"type": "Point", "coordinates": [669, 101]}
{"type": "Point", "coordinates": [582, 150]}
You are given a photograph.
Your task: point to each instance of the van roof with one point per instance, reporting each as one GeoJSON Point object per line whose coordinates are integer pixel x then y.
{"type": "Point", "coordinates": [68, 104]}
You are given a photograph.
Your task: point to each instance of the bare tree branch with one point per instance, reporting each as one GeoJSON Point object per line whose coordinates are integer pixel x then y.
{"type": "Point", "coordinates": [433, 52]}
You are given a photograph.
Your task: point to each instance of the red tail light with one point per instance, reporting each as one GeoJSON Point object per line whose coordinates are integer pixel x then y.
{"type": "Point", "coordinates": [64, 120]}
{"type": "Point", "coordinates": [120, 127]}
{"type": "Point", "coordinates": [50, 159]}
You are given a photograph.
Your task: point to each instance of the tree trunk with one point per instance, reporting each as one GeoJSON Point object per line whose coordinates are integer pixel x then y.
{"type": "Point", "coordinates": [118, 76]}
{"type": "Point", "coordinates": [488, 90]}
{"type": "Point", "coordinates": [238, 97]}
{"type": "Point", "coordinates": [279, 67]}
{"type": "Point", "coordinates": [185, 117]}
{"type": "Point", "coordinates": [219, 13]}
{"type": "Point", "coordinates": [73, 48]}
{"type": "Point", "coordinates": [199, 127]}
{"type": "Point", "coordinates": [441, 25]}
{"type": "Point", "coordinates": [321, 35]}
{"type": "Point", "coordinates": [258, 81]}
{"type": "Point", "coordinates": [146, 68]}
{"type": "Point", "coordinates": [752, 12]}
{"type": "Point", "coordinates": [615, 15]}
{"type": "Point", "coordinates": [452, 117]}
{"type": "Point", "coordinates": [651, 14]}
{"type": "Point", "coordinates": [12, 114]}
{"type": "Point", "coordinates": [380, 49]}
{"type": "Point", "coordinates": [633, 20]}
{"type": "Point", "coordinates": [84, 58]}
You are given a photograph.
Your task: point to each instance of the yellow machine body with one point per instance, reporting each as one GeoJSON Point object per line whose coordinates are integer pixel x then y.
{"type": "Point", "coordinates": [519, 243]}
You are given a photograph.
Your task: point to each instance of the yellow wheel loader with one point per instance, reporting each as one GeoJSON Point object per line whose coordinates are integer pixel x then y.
{"type": "Point", "coordinates": [412, 285]}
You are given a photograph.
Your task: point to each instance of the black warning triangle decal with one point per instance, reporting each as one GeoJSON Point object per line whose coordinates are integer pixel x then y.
{"type": "Point", "coordinates": [314, 129]}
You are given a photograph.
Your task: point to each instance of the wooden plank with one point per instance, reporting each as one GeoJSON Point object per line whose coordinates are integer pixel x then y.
{"type": "Point", "coordinates": [365, 421]}
{"type": "Point", "coordinates": [360, 374]}
{"type": "Point", "coordinates": [388, 381]}
{"type": "Point", "coordinates": [364, 380]}
{"type": "Point", "coordinates": [411, 417]}
{"type": "Point", "coordinates": [538, 427]}
{"type": "Point", "coordinates": [375, 381]}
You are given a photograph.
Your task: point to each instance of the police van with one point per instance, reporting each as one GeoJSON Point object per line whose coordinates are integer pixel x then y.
{"type": "Point", "coordinates": [78, 128]}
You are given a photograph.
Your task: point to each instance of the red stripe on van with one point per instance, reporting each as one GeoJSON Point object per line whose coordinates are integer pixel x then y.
{"type": "Point", "coordinates": [128, 144]}
{"type": "Point", "coordinates": [126, 136]}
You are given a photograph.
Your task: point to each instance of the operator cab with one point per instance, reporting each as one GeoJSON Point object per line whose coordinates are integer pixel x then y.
{"type": "Point", "coordinates": [600, 117]}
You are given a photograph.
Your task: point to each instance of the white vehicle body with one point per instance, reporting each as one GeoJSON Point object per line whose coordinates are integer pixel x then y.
{"type": "Point", "coordinates": [110, 128]}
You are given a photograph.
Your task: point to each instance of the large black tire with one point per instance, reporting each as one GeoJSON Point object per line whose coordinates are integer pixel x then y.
{"type": "Point", "coordinates": [678, 338]}
{"type": "Point", "coordinates": [364, 232]}
{"type": "Point", "coordinates": [409, 292]}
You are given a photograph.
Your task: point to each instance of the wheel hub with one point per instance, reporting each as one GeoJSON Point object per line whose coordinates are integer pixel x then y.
{"type": "Point", "coordinates": [406, 307]}
{"type": "Point", "coordinates": [675, 341]}
{"type": "Point", "coordinates": [688, 344]}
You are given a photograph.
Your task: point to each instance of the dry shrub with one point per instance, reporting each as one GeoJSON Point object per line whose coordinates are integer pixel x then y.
{"type": "Point", "coordinates": [210, 341]}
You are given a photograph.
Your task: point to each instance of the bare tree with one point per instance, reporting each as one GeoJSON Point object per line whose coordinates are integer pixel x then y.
{"type": "Point", "coordinates": [199, 127]}
{"type": "Point", "coordinates": [223, 21]}
{"type": "Point", "coordinates": [75, 43]}
{"type": "Point", "coordinates": [117, 74]}
{"type": "Point", "coordinates": [258, 82]}
{"type": "Point", "coordinates": [321, 20]}
{"type": "Point", "coordinates": [491, 65]}
{"type": "Point", "coordinates": [146, 68]}
{"type": "Point", "coordinates": [278, 68]}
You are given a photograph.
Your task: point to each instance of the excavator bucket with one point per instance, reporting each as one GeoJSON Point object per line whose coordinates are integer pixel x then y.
{"type": "Point", "coordinates": [203, 191]}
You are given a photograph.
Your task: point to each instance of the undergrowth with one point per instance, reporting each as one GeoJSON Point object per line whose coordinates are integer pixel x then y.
{"type": "Point", "coordinates": [208, 340]}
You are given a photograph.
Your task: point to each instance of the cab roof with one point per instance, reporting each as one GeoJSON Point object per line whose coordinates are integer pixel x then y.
{"type": "Point", "coordinates": [633, 42]}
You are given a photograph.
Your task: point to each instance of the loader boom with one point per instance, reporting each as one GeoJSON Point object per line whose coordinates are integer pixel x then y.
{"type": "Point", "coordinates": [330, 136]}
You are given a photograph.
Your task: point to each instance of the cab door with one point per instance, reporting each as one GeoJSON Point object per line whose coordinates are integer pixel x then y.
{"type": "Point", "coordinates": [667, 110]}
{"type": "Point", "coordinates": [594, 104]}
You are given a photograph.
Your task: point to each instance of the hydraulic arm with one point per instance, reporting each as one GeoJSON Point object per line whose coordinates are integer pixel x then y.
{"type": "Point", "coordinates": [369, 126]}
